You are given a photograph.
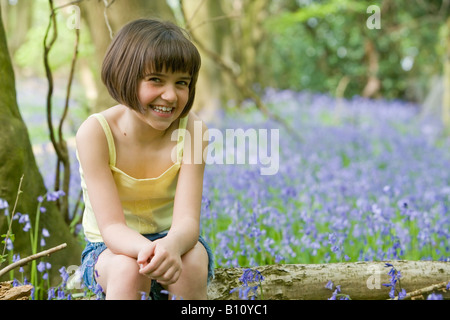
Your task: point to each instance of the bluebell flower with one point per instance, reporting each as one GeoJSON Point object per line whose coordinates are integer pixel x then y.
{"type": "Point", "coordinates": [51, 293]}
{"type": "Point", "coordinates": [64, 275]}
{"type": "Point", "coordinates": [329, 285]}
{"type": "Point", "coordinates": [402, 294]}
{"type": "Point", "coordinates": [435, 296]}
{"type": "Point", "coordinates": [41, 267]}
{"type": "Point", "coordinates": [143, 295]}
{"type": "Point", "coordinates": [45, 233]}
{"type": "Point", "coordinates": [98, 291]}
{"type": "Point", "coordinates": [27, 226]}
{"type": "Point", "coordinates": [9, 244]}
{"type": "Point", "coordinates": [249, 276]}
{"type": "Point", "coordinates": [3, 204]}
{"type": "Point", "coordinates": [23, 218]}
{"type": "Point", "coordinates": [55, 195]}
{"type": "Point", "coordinates": [60, 294]}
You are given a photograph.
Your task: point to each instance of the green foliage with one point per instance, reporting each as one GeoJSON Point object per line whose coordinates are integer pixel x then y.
{"type": "Point", "coordinates": [31, 51]}
{"type": "Point", "coordinates": [316, 45]}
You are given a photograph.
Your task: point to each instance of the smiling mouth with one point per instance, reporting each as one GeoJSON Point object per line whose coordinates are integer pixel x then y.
{"type": "Point", "coordinates": [162, 109]}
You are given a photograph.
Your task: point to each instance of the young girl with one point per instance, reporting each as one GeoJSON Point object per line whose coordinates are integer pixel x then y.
{"type": "Point", "coordinates": [143, 203]}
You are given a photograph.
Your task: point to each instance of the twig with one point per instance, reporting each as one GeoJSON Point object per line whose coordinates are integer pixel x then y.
{"type": "Point", "coordinates": [424, 290]}
{"type": "Point", "coordinates": [66, 159]}
{"type": "Point", "coordinates": [8, 233]}
{"type": "Point", "coordinates": [68, 4]}
{"type": "Point", "coordinates": [224, 17]}
{"type": "Point", "coordinates": [105, 14]}
{"type": "Point", "coordinates": [195, 12]}
{"type": "Point", "coordinates": [26, 260]}
{"type": "Point", "coordinates": [57, 140]}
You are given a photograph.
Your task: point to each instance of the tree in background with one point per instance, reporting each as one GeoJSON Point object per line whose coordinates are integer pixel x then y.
{"type": "Point", "coordinates": [313, 45]}
{"type": "Point", "coordinates": [17, 160]}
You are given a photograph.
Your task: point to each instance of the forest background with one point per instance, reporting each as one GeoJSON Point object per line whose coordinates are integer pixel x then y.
{"type": "Point", "coordinates": [345, 48]}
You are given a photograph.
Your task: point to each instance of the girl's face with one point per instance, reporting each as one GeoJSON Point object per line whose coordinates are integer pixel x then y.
{"type": "Point", "coordinates": [164, 96]}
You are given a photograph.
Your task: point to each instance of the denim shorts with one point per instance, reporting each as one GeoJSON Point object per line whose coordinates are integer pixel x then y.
{"type": "Point", "coordinates": [93, 250]}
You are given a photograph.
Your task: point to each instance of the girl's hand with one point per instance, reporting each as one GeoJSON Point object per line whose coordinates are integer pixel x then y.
{"type": "Point", "coordinates": [160, 261]}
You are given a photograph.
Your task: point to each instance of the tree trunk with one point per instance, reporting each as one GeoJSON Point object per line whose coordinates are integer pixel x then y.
{"type": "Point", "coordinates": [373, 84]}
{"type": "Point", "coordinates": [255, 13]}
{"type": "Point", "coordinates": [17, 159]}
{"type": "Point", "coordinates": [446, 98]}
{"type": "Point", "coordinates": [211, 84]}
{"type": "Point", "coordinates": [359, 280]}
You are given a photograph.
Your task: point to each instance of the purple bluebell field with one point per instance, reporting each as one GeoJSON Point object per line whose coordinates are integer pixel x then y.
{"type": "Point", "coordinates": [368, 180]}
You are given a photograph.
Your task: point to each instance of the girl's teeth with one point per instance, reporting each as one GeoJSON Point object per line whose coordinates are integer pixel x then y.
{"type": "Point", "coordinates": [162, 109]}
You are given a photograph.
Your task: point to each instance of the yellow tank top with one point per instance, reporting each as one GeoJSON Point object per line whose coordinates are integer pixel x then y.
{"type": "Point", "coordinates": [147, 203]}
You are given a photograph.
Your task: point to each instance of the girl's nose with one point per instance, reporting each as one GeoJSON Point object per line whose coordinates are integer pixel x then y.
{"type": "Point", "coordinates": [169, 94]}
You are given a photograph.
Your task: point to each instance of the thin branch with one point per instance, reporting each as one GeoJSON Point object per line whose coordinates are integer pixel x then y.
{"type": "Point", "coordinates": [196, 10]}
{"type": "Point", "coordinates": [8, 233]}
{"type": "Point", "coordinates": [58, 142]}
{"type": "Point", "coordinates": [68, 4]}
{"type": "Point", "coordinates": [424, 290]}
{"type": "Point", "coordinates": [224, 17]}
{"type": "Point", "coordinates": [105, 14]}
{"type": "Point", "coordinates": [47, 48]}
{"type": "Point", "coordinates": [108, 3]}
{"type": "Point", "coordinates": [66, 158]}
{"type": "Point", "coordinates": [26, 260]}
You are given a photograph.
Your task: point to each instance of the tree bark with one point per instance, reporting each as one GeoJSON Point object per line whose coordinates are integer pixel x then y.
{"type": "Point", "coordinates": [446, 97]}
{"type": "Point", "coordinates": [359, 280]}
{"type": "Point", "coordinates": [212, 88]}
{"type": "Point", "coordinates": [17, 159]}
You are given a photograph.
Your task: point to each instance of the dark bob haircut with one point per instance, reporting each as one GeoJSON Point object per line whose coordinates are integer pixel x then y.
{"type": "Point", "coordinates": [143, 46]}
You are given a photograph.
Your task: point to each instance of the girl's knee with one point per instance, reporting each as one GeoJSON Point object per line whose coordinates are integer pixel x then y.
{"type": "Point", "coordinates": [195, 263]}
{"type": "Point", "coordinates": [124, 265]}
{"type": "Point", "coordinates": [117, 267]}
{"type": "Point", "coordinates": [120, 278]}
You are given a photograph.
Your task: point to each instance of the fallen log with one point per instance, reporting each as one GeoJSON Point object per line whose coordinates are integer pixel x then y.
{"type": "Point", "coordinates": [8, 292]}
{"type": "Point", "coordinates": [358, 280]}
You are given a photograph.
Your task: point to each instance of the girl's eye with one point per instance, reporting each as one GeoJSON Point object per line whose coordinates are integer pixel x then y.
{"type": "Point", "coordinates": [153, 79]}
{"type": "Point", "coordinates": [183, 83]}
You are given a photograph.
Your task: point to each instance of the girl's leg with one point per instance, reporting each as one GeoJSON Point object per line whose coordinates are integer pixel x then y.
{"type": "Point", "coordinates": [119, 277]}
{"type": "Point", "coordinates": [192, 284]}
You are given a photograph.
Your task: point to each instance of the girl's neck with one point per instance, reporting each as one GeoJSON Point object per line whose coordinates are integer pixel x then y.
{"type": "Point", "coordinates": [140, 131]}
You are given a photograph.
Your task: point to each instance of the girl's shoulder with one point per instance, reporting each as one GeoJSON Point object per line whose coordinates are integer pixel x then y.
{"type": "Point", "coordinates": [92, 134]}
{"type": "Point", "coordinates": [92, 125]}
{"type": "Point", "coordinates": [194, 121]}
{"type": "Point", "coordinates": [198, 132]}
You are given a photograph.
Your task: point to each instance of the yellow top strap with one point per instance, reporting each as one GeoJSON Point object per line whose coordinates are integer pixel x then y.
{"type": "Point", "coordinates": [109, 137]}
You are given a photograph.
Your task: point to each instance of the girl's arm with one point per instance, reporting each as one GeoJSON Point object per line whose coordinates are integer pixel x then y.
{"type": "Point", "coordinates": [184, 232]}
{"type": "Point", "coordinates": [93, 154]}
{"type": "Point", "coordinates": [188, 197]}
